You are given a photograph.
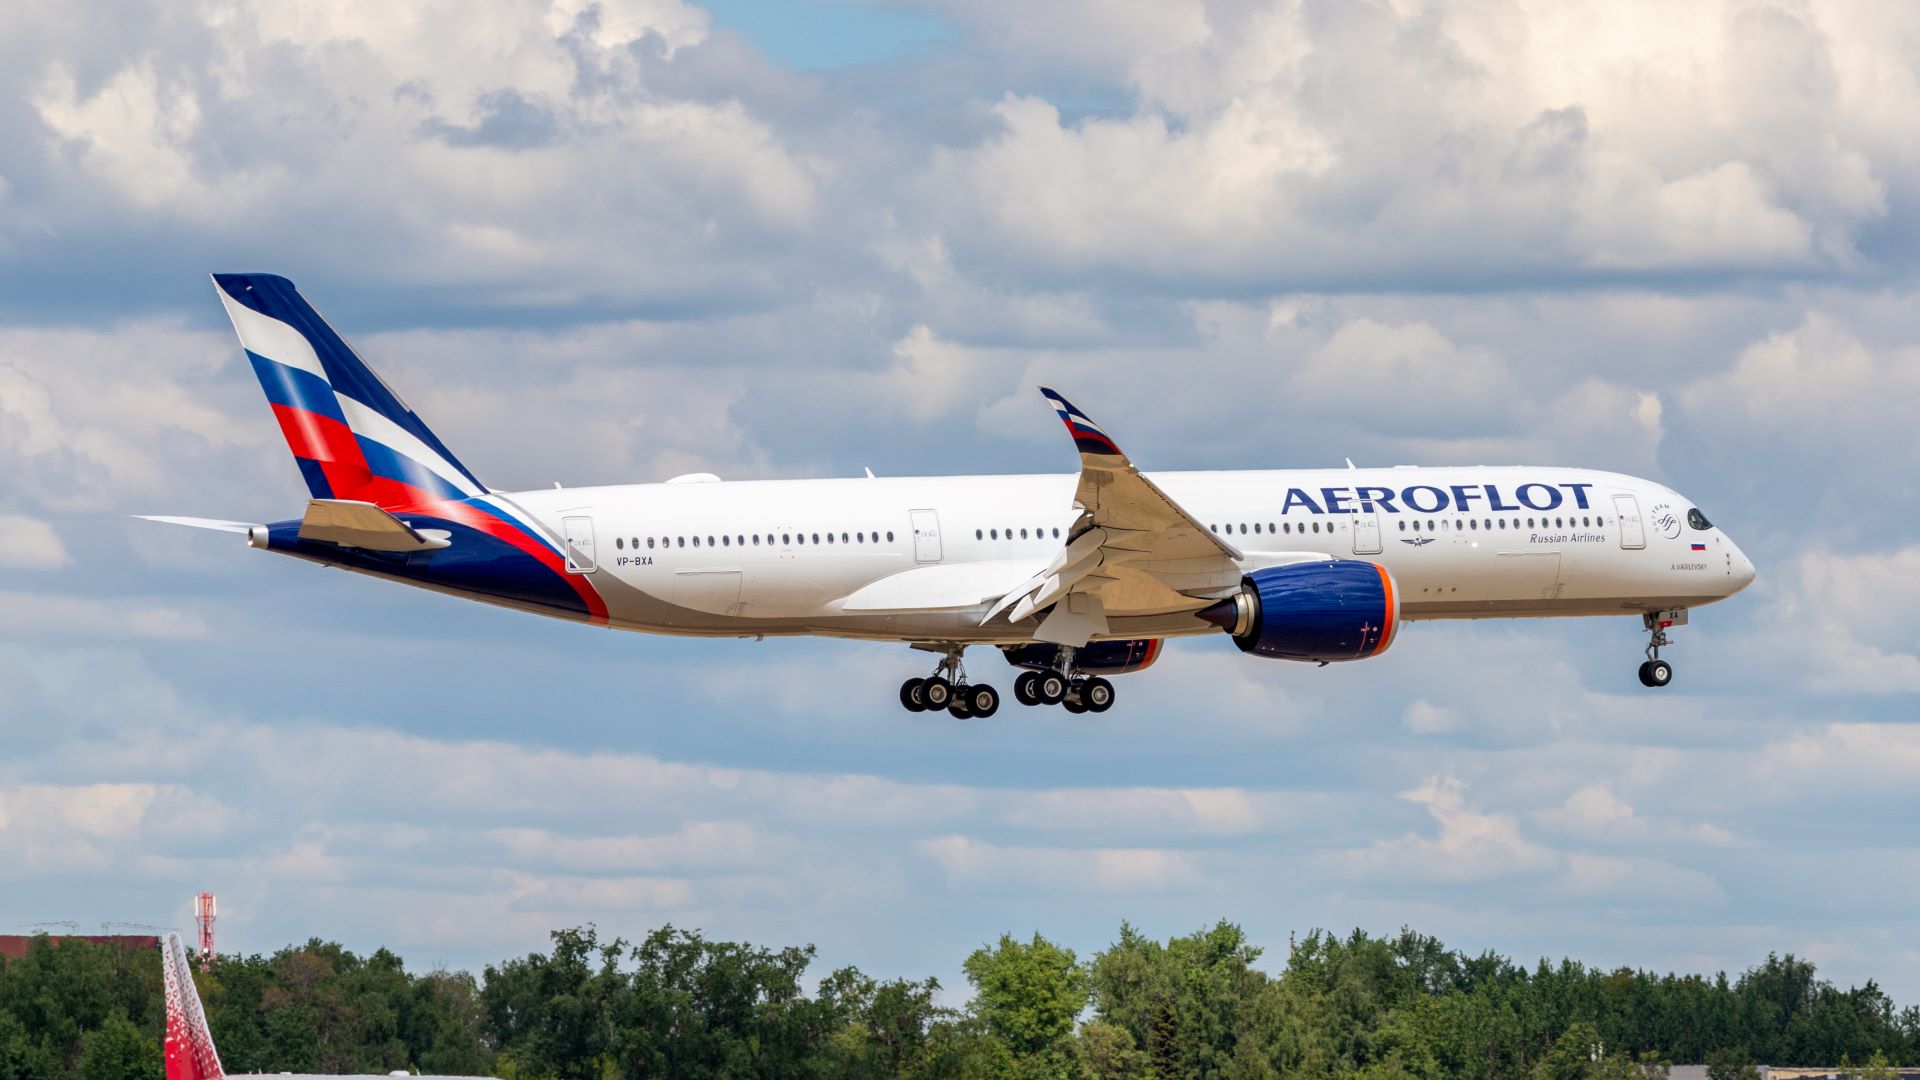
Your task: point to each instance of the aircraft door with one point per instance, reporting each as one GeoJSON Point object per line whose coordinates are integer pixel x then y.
{"type": "Point", "coordinates": [1366, 533]}
{"type": "Point", "coordinates": [1633, 532]}
{"type": "Point", "coordinates": [926, 535]}
{"type": "Point", "coordinates": [579, 530]}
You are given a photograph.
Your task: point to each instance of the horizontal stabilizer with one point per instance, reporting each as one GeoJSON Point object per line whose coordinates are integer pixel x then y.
{"type": "Point", "coordinates": [199, 523]}
{"type": "Point", "coordinates": [363, 525]}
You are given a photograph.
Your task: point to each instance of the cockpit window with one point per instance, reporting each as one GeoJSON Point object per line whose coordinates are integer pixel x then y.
{"type": "Point", "coordinates": [1698, 520]}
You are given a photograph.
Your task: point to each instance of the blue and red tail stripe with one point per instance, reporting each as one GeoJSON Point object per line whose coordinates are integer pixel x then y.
{"type": "Point", "coordinates": [335, 413]}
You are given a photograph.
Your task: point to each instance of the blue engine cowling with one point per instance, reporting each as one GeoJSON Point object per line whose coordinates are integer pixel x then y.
{"type": "Point", "coordinates": [1342, 609]}
{"type": "Point", "coordinates": [1093, 658]}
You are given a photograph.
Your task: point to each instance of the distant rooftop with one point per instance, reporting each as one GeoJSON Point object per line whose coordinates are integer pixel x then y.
{"type": "Point", "coordinates": [14, 946]}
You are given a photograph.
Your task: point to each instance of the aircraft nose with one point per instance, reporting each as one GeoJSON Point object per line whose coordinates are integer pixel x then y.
{"type": "Point", "coordinates": [1740, 570]}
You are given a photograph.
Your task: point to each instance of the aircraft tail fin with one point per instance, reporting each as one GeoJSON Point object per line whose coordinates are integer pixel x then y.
{"type": "Point", "coordinates": [352, 436]}
{"type": "Point", "coordinates": [189, 1046]}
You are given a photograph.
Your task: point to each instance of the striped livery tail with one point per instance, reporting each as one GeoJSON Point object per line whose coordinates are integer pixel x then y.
{"type": "Point", "coordinates": [189, 1046]}
{"type": "Point", "coordinates": [351, 435]}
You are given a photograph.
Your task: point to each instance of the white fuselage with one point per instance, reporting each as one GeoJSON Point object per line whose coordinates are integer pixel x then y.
{"type": "Point", "coordinates": [922, 559]}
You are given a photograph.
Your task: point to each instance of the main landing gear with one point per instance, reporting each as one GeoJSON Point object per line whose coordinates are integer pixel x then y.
{"type": "Point", "coordinates": [1076, 694]}
{"type": "Point", "coordinates": [947, 688]}
{"type": "Point", "coordinates": [1657, 672]}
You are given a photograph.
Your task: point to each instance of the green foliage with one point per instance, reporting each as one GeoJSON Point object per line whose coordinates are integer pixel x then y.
{"type": "Point", "coordinates": [676, 1004]}
{"type": "Point", "coordinates": [119, 1050]}
{"type": "Point", "coordinates": [1029, 996]}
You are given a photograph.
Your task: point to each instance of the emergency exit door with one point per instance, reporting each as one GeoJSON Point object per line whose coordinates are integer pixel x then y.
{"type": "Point", "coordinates": [926, 535]}
{"type": "Point", "coordinates": [579, 532]}
{"type": "Point", "coordinates": [1633, 531]}
{"type": "Point", "coordinates": [1366, 533]}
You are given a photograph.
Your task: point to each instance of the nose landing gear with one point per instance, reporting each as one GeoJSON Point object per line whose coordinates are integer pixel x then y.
{"type": "Point", "coordinates": [1657, 672]}
{"type": "Point", "coordinates": [947, 688]}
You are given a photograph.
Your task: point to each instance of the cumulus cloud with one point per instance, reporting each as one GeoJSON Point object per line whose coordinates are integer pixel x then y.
{"type": "Point", "coordinates": [1433, 143]}
{"type": "Point", "coordinates": [611, 241]}
{"type": "Point", "coordinates": [30, 544]}
{"type": "Point", "coordinates": [979, 865]}
{"type": "Point", "coordinates": [1468, 845]}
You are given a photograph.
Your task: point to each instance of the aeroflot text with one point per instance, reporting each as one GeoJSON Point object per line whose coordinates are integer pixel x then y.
{"type": "Point", "coordinates": [1428, 499]}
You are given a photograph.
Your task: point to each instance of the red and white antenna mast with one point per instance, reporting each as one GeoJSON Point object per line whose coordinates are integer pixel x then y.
{"type": "Point", "coordinates": [203, 914]}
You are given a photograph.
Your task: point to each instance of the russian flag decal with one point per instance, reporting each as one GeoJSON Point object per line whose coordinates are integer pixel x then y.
{"type": "Point", "coordinates": [1699, 547]}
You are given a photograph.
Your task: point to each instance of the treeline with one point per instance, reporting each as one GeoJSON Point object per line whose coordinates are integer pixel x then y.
{"type": "Point", "coordinates": [678, 1005]}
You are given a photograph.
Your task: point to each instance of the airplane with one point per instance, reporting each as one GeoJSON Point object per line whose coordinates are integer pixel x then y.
{"type": "Point", "coordinates": [189, 1049]}
{"type": "Point", "coordinates": [1073, 577]}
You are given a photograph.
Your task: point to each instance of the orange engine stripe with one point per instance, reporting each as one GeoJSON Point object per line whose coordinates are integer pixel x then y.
{"type": "Point", "coordinates": [1388, 627]}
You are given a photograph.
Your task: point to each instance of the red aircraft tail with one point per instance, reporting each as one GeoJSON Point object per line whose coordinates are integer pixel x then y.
{"type": "Point", "coordinates": [190, 1052]}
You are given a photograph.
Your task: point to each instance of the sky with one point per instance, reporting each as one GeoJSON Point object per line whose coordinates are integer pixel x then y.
{"type": "Point", "coordinates": [614, 241]}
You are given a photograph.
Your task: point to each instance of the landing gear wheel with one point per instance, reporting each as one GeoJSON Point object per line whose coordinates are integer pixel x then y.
{"type": "Point", "coordinates": [910, 695]}
{"type": "Point", "coordinates": [960, 708]}
{"type": "Point", "coordinates": [1656, 673]}
{"type": "Point", "coordinates": [1098, 695]}
{"type": "Point", "coordinates": [1073, 702]}
{"type": "Point", "coordinates": [936, 692]}
{"type": "Point", "coordinates": [1051, 686]}
{"type": "Point", "coordinates": [1025, 688]}
{"type": "Point", "coordinates": [983, 700]}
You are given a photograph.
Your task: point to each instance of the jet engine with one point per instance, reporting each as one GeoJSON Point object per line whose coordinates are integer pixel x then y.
{"type": "Point", "coordinates": [1342, 609]}
{"type": "Point", "coordinates": [1093, 658]}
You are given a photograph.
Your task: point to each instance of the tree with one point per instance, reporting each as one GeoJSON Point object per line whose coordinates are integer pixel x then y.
{"type": "Point", "coordinates": [119, 1050]}
{"type": "Point", "coordinates": [1731, 1063]}
{"type": "Point", "coordinates": [1029, 997]}
{"type": "Point", "coordinates": [1105, 1051]}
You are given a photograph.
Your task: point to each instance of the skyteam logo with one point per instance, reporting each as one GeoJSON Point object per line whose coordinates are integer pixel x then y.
{"type": "Point", "coordinates": [1666, 521]}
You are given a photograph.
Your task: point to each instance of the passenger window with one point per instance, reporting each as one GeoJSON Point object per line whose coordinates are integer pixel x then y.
{"type": "Point", "coordinates": [679, 541]}
{"type": "Point", "coordinates": [1256, 528]}
{"type": "Point", "coordinates": [726, 542]}
{"type": "Point", "coordinates": [889, 536]}
{"type": "Point", "coordinates": [1243, 528]}
{"type": "Point", "coordinates": [1472, 524]}
{"type": "Point", "coordinates": [1023, 534]}
{"type": "Point", "coordinates": [649, 543]}
{"type": "Point", "coordinates": [1056, 534]}
{"type": "Point", "coordinates": [618, 544]}
{"type": "Point", "coordinates": [843, 538]}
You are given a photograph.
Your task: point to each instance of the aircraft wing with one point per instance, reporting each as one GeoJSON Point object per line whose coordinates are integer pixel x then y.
{"type": "Point", "coordinates": [1132, 551]}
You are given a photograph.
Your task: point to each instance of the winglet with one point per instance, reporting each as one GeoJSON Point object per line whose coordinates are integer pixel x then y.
{"type": "Point", "coordinates": [1086, 434]}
